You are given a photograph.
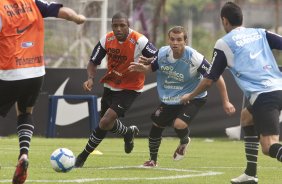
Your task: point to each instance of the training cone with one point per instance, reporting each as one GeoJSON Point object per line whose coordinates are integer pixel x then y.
{"type": "Point", "coordinates": [96, 152]}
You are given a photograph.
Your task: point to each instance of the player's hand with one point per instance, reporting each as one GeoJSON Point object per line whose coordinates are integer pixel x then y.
{"type": "Point", "coordinates": [136, 67]}
{"type": "Point", "coordinates": [145, 60]}
{"type": "Point", "coordinates": [185, 98]}
{"type": "Point", "coordinates": [80, 19]}
{"type": "Point", "coordinates": [88, 85]}
{"type": "Point", "coordinates": [229, 108]}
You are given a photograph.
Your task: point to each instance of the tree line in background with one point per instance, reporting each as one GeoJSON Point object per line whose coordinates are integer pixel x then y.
{"type": "Point", "coordinates": [152, 18]}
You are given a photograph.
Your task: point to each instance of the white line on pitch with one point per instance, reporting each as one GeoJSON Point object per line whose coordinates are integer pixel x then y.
{"type": "Point", "coordinates": [197, 174]}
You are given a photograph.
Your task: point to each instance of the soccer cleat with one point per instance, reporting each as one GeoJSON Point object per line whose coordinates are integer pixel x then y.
{"type": "Point", "coordinates": [180, 151]}
{"type": "Point", "coordinates": [79, 161]}
{"type": "Point", "coordinates": [129, 139]}
{"type": "Point", "coordinates": [150, 163]}
{"type": "Point", "coordinates": [244, 179]}
{"type": "Point", "coordinates": [20, 174]}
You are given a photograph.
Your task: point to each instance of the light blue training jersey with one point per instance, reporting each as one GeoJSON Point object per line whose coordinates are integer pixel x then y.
{"type": "Point", "coordinates": [251, 61]}
{"type": "Point", "coordinates": [176, 77]}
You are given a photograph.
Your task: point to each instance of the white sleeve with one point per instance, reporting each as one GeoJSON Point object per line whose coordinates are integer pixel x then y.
{"type": "Point", "coordinates": [197, 58]}
{"type": "Point", "coordinates": [222, 45]}
{"type": "Point", "coordinates": [142, 41]}
{"type": "Point", "coordinates": [103, 41]}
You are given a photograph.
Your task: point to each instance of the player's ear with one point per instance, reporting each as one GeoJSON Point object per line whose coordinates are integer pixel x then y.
{"type": "Point", "coordinates": [128, 23]}
{"type": "Point", "coordinates": [224, 21]}
{"type": "Point", "coordinates": [186, 41]}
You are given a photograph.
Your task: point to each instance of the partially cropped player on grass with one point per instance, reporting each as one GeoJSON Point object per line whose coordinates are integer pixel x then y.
{"type": "Point", "coordinates": [22, 66]}
{"type": "Point", "coordinates": [247, 53]}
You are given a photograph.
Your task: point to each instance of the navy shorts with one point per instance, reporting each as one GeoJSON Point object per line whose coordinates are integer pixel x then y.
{"type": "Point", "coordinates": [119, 101]}
{"type": "Point", "coordinates": [266, 110]}
{"type": "Point", "coordinates": [24, 92]}
{"type": "Point", "coordinates": [165, 114]}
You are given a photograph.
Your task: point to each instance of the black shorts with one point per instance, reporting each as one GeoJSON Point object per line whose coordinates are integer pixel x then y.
{"type": "Point", "coordinates": [266, 111]}
{"type": "Point", "coordinates": [24, 92]}
{"type": "Point", "coordinates": [119, 101]}
{"type": "Point", "coordinates": [165, 114]}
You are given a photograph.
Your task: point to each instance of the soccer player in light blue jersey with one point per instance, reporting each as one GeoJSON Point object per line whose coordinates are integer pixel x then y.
{"type": "Point", "coordinates": [179, 69]}
{"type": "Point", "coordinates": [247, 53]}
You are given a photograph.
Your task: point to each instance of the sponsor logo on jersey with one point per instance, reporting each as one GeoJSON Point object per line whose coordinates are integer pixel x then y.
{"type": "Point", "coordinates": [27, 44]}
{"type": "Point", "coordinates": [267, 67]}
{"type": "Point", "coordinates": [111, 38]}
{"type": "Point", "coordinates": [255, 55]}
{"type": "Point", "coordinates": [151, 49]}
{"type": "Point", "coordinates": [132, 41]}
{"type": "Point", "coordinates": [20, 31]}
{"type": "Point", "coordinates": [243, 39]}
{"type": "Point", "coordinates": [205, 67]}
{"type": "Point", "coordinates": [95, 55]}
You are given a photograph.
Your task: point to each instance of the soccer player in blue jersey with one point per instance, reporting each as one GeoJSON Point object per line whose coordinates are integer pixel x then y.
{"type": "Point", "coordinates": [247, 53]}
{"type": "Point", "coordinates": [179, 68]}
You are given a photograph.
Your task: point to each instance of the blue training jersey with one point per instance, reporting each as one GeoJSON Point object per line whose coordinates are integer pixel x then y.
{"type": "Point", "coordinates": [250, 60]}
{"type": "Point", "coordinates": [176, 77]}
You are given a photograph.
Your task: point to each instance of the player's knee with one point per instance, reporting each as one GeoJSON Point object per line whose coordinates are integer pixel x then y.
{"type": "Point", "coordinates": [265, 150]}
{"type": "Point", "coordinates": [246, 118]}
{"type": "Point", "coordinates": [180, 125]}
{"type": "Point", "coordinates": [265, 147]}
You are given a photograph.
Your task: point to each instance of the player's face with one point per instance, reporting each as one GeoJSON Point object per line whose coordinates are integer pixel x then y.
{"type": "Point", "coordinates": [177, 43]}
{"type": "Point", "coordinates": [120, 28]}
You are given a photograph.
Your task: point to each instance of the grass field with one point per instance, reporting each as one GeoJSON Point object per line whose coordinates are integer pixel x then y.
{"type": "Point", "coordinates": [209, 161]}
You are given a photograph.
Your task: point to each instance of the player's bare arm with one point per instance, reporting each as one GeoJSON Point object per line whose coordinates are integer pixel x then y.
{"type": "Point", "coordinates": [227, 106]}
{"type": "Point", "coordinates": [144, 60]}
{"type": "Point", "coordinates": [141, 66]}
{"type": "Point", "coordinates": [69, 14]}
{"type": "Point", "coordinates": [203, 86]}
{"type": "Point", "coordinates": [91, 71]}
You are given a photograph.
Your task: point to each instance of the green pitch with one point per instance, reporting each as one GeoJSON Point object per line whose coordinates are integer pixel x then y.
{"type": "Point", "coordinates": [208, 161]}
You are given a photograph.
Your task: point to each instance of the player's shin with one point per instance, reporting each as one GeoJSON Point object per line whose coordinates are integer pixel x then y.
{"type": "Point", "coordinates": [25, 130]}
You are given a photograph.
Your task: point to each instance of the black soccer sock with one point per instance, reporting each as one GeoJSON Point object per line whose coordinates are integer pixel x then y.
{"type": "Point", "coordinates": [25, 130]}
{"type": "Point", "coordinates": [94, 140]}
{"type": "Point", "coordinates": [119, 128]}
{"type": "Point", "coordinates": [183, 135]}
{"type": "Point", "coordinates": [275, 151]}
{"type": "Point", "coordinates": [155, 139]}
{"type": "Point", "coordinates": [251, 149]}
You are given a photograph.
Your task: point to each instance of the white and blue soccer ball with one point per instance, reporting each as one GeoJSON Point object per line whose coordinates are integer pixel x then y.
{"type": "Point", "coordinates": [62, 160]}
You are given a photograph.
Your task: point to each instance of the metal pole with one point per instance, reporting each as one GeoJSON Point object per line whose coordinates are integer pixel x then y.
{"type": "Point", "coordinates": [190, 27]}
{"type": "Point", "coordinates": [104, 16]}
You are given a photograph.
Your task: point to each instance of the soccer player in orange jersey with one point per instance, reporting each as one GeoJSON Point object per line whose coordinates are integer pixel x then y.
{"type": "Point", "coordinates": [22, 64]}
{"type": "Point", "coordinates": [121, 87]}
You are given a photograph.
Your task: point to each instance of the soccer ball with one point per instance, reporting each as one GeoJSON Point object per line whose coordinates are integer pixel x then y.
{"type": "Point", "coordinates": [62, 160]}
